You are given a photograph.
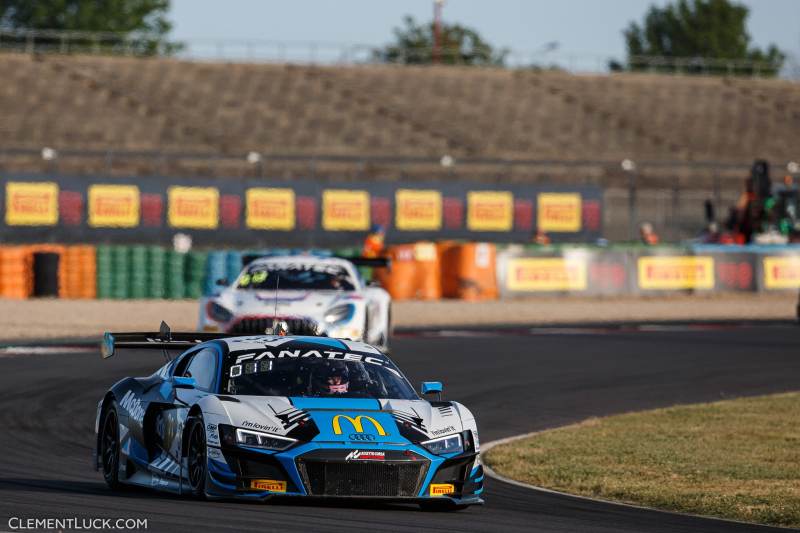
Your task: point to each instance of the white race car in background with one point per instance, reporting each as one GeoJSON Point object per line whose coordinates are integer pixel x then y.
{"type": "Point", "coordinates": [314, 295]}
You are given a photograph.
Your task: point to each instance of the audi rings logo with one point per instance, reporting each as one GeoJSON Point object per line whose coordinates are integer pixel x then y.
{"type": "Point", "coordinates": [362, 437]}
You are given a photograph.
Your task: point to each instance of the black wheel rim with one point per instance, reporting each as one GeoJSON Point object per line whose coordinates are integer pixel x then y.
{"type": "Point", "coordinates": [197, 457]}
{"type": "Point", "coordinates": [110, 444]}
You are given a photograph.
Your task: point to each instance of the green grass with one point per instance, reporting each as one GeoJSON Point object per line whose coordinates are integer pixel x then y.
{"type": "Point", "coordinates": [736, 459]}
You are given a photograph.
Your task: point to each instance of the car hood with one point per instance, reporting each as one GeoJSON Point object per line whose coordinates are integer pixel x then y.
{"type": "Point", "coordinates": [351, 420]}
{"type": "Point", "coordinates": [311, 304]}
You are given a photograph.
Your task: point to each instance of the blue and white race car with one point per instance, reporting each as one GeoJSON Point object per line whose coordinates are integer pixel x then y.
{"type": "Point", "coordinates": [262, 416]}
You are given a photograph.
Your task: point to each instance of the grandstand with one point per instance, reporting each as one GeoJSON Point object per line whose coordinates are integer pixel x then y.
{"type": "Point", "coordinates": [292, 113]}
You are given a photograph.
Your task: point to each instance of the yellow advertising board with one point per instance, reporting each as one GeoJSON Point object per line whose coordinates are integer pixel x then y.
{"type": "Point", "coordinates": [490, 211]}
{"type": "Point", "coordinates": [546, 274]}
{"type": "Point", "coordinates": [418, 210]}
{"type": "Point", "coordinates": [344, 210]}
{"type": "Point", "coordinates": [559, 212]}
{"type": "Point", "coordinates": [113, 206]}
{"type": "Point", "coordinates": [782, 272]}
{"type": "Point", "coordinates": [271, 209]}
{"type": "Point", "coordinates": [674, 273]}
{"type": "Point", "coordinates": [31, 203]}
{"type": "Point", "coordinates": [193, 207]}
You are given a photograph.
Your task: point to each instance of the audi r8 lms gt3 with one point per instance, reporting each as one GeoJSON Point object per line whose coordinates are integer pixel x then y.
{"type": "Point", "coordinates": [312, 294]}
{"type": "Point", "coordinates": [262, 416]}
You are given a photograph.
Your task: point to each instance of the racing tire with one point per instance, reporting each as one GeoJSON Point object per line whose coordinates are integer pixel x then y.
{"type": "Point", "coordinates": [109, 446]}
{"type": "Point", "coordinates": [197, 458]}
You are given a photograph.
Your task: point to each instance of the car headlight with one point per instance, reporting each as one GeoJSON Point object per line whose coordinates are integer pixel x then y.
{"type": "Point", "coordinates": [256, 439]}
{"type": "Point", "coordinates": [218, 313]}
{"type": "Point", "coordinates": [450, 444]}
{"type": "Point", "coordinates": [340, 313]}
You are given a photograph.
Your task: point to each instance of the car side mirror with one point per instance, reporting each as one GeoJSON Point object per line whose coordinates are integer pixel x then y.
{"type": "Point", "coordinates": [181, 382]}
{"type": "Point", "coordinates": [432, 387]}
{"type": "Point", "coordinates": [222, 282]}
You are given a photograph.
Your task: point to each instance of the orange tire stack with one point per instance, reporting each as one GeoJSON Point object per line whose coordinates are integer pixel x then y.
{"type": "Point", "coordinates": [468, 271]}
{"type": "Point", "coordinates": [414, 274]}
{"type": "Point", "coordinates": [79, 272]}
{"type": "Point", "coordinates": [16, 276]}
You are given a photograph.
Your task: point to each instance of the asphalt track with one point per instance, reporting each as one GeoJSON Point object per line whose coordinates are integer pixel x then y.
{"type": "Point", "coordinates": [514, 384]}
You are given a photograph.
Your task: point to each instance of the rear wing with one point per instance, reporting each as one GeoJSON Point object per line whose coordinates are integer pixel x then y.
{"type": "Point", "coordinates": [164, 339]}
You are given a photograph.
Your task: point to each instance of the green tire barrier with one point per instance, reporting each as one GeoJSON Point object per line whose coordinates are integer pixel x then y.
{"type": "Point", "coordinates": [195, 274]}
{"type": "Point", "coordinates": [138, 272]}
{"type": "Point", "coordinates": [175, 268]}
{"type": "Point", "coordinates": [156, 272]}
{"type": "Point", "coordinates": [120, 272]}
{"type": "Point", "coordinates": [104, 278]}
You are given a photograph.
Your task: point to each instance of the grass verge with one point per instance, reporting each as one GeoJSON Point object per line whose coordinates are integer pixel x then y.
{"type": "Point", "coordinates": [736, 459]}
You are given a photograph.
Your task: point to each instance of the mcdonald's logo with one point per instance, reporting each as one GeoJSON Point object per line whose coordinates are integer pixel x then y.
{"type": "Point", "coordinates": [357, 424]}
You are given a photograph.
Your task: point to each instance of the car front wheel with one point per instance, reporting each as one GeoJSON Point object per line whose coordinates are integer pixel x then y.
{"type": "Point", "coordinates": [196, 458]}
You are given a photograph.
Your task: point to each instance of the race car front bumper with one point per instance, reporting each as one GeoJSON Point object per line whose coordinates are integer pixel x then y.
{"type": "Point", "coordinates": [321, 470]}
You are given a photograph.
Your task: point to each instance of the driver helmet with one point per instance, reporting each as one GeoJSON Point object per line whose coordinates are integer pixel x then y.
{"type": "Point", "coordinates": [337, 379]}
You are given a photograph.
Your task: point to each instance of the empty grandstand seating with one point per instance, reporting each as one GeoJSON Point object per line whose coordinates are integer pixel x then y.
{"type": "Point", "coordinates": [176, 106]}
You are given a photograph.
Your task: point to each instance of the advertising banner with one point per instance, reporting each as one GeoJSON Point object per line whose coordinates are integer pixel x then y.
{"type": "Point", "coordinates": [345, 210]}
{"type": "Point", "coordinates": [193, 207]}
{"type": "Point", "coordinates": [418, 210]}
{"type": "Point", "coordinates": [270, 209]}
{"type": "Point", "coordinates": [675, 272]}
{"type": "Point", "coordinates": [781, 272]}
{"type": "Point", "coordinates": [546, 274]}
{"type": "Point", "coordinates": [31, 203]}
{"type": "Point", "coordinates": [113, 206]}
{"type": "Point", "coordinates": [559, 212]}
{"type": "Point", "coordinates": [490, 210]}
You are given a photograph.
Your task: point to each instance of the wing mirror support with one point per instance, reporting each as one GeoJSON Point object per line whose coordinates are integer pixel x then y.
{"type": "Point", "coordinates": [432, 387]}
{"type": "Point", "coordinates": [180, 382]}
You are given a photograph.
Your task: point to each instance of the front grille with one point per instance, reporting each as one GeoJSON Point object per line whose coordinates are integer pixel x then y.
{"type": "Point", "coordinates": [257, 326]}
{"type": "Point", "coordinates": [398, 480]}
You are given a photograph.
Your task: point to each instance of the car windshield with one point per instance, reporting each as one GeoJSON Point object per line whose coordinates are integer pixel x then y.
{"type": "Point", "coordinates": [296, 276]}
{"type": "Point", "coordinates": [374, 378]}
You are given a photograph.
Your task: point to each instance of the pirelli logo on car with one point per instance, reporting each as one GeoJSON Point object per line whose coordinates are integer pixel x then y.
{"type": "Point", "coordinates": [440, 489]}
{"type": "Point", "coordinates": [272, 485]}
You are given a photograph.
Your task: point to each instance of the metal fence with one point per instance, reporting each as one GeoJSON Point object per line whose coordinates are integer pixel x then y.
{"type": "Point", "coordinates": [648, 191]}
{"type": "Point", "coordinates": [325, 53]}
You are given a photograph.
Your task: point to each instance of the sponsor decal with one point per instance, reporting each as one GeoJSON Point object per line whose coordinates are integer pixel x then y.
{"type": "Point", "coordinates": [366, 455]}
{"type": "Point", "coordinates": [559, 212]}
{"type": "Point", "coordinates": [546, 274]}
{"type": "Point", "coordinates": [270, 209]}
{"type": "Point", "coordinates": [443, 431]}
{"type": "Point", "coordinates": [31, 204]}
{"type": "Point", "coordinates": [490, 210]}
{"type": "Point", "coordinates": [212, 434]}
{"type": "Point", "coordinates": [133, 406]}
{"type": "Point", "coordinates": [236, 369]}
{"type": "Point", "coordinates": [418, 210]}
{"type": "Point", "coordinates": [193, 207]}
{"type": "Point", "coordinates": [345, 210]}
{"type": "Point", "coordinates": [357, 423]}
{"type": "Point", "coordinates": [272, 485]}
{"type": "Point", "coordinates": [113, 206]}
{"type": "Point", "coordinates": [260, 427]}
{"type": "Point", "coordinates": [782, 272]}
{"type": "Point", "coordinates": [671, 273]}
{"type": "Point", "coordinates": [215, 453]}
{"type": "Point", "coordinates": [440, 489]}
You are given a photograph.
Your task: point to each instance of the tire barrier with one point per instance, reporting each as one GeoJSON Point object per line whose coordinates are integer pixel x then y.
{"type": "Point", "coordinates": [424, 270]}
{"type": "Point", "coordinates": [45, 274]}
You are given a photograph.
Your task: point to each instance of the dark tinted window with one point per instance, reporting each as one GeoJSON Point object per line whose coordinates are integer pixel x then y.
{"type": "Point", "coordinates": [296, 276]}
{"type": "Point", "coordinates": [203, 368]}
